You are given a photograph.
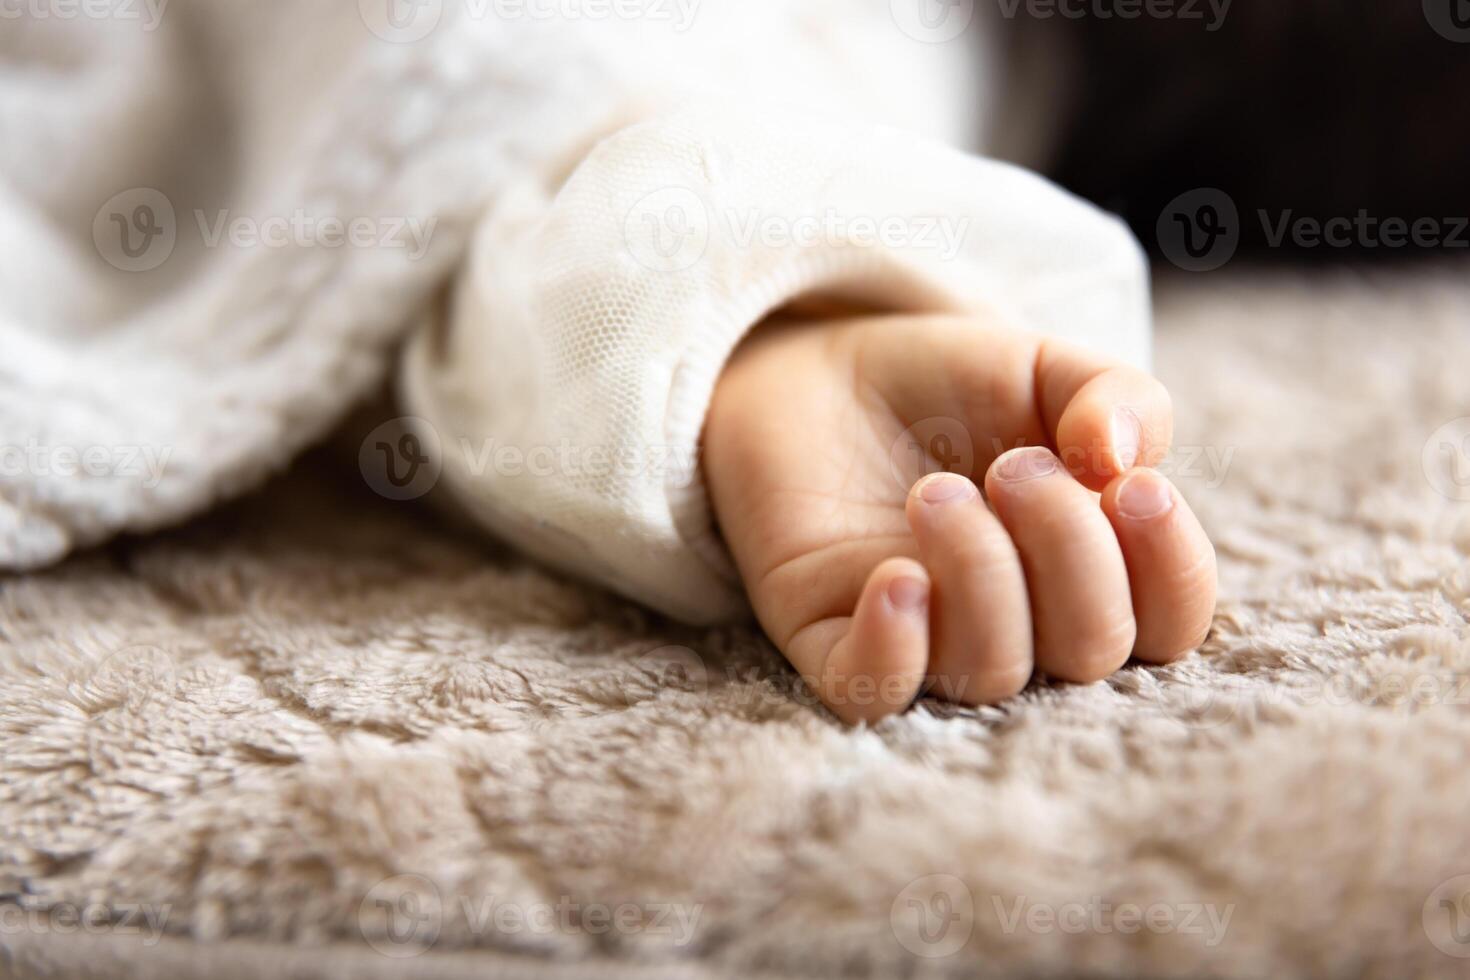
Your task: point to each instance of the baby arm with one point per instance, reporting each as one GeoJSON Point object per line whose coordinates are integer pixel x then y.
{"type": "Point", "coordinates": [593, 326]}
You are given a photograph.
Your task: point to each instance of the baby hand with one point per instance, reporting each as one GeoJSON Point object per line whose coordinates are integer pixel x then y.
{"type": "Point", "coordinates": [878, 592]}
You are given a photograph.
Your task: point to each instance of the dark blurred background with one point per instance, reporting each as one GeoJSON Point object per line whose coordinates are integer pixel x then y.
{"type": "Point", "coordinates": [1307, 109]}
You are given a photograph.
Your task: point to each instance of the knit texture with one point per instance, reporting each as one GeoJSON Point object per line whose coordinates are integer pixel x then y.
{"type": "Point", "coordinates": [566, 387]}
{"type": "Point", "coordinates": [324, 729]}
{"type": "Point", "coordinates": [219, 219]}
{"type": "Point", "coordinates": [176, 308]}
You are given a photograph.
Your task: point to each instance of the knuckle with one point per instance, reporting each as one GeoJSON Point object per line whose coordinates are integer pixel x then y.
{"type": "Point", "coordinates": [987, 682]}
{"type": "Point", "coordinates": [1182, 613]}
{"type": "Point", "coordinates": [1148, 395]}
{"type": "Point", "coordinates": [1194, 584]}
{"type": "Point", "coordinates": [985, 554]}
{"type": "Point", "coordinates": [1196, 618]}
{"type": "Point", "coordinates": [1088, 655]}
{"type": "Point", "coordinates": [1001, 683]}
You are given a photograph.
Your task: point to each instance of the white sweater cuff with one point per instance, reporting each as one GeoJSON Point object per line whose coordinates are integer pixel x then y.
{"type": "Point", "coordinates": [568, 380]}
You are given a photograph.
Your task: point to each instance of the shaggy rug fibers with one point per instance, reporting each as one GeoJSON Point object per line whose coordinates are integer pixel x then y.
{"type": "Point", "coordinates": [324, 734]}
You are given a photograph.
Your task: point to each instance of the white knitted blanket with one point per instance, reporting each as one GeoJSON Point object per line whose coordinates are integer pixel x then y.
{"type": "Point", "coordinates": [218, 223]}
{"type": "Point", "coordinates": [218, 218]}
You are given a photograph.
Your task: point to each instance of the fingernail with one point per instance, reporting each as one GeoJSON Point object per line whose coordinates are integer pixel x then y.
{"type": "Point", "coordinates": [1144, 495]}
{"type": "Point", "coordinates": [1026, 463]}
{"type": "Point", "coordinates": [1127, 436]}
{"type": "Point", "coordinates": [940, 488]}
{"type": "Point", "coordinates": [908, 594]}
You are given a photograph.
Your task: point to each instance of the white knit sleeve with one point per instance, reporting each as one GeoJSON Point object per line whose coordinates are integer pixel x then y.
{"type": "Point", "coordinates": [567, 381]}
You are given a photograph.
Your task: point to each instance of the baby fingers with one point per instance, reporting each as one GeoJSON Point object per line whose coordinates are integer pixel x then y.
{"type": "Point", "coordinates": [1171, 564]}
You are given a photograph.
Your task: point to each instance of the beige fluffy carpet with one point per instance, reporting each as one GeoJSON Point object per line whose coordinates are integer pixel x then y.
{"type": "Point", "coordinates": [323, 734]}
